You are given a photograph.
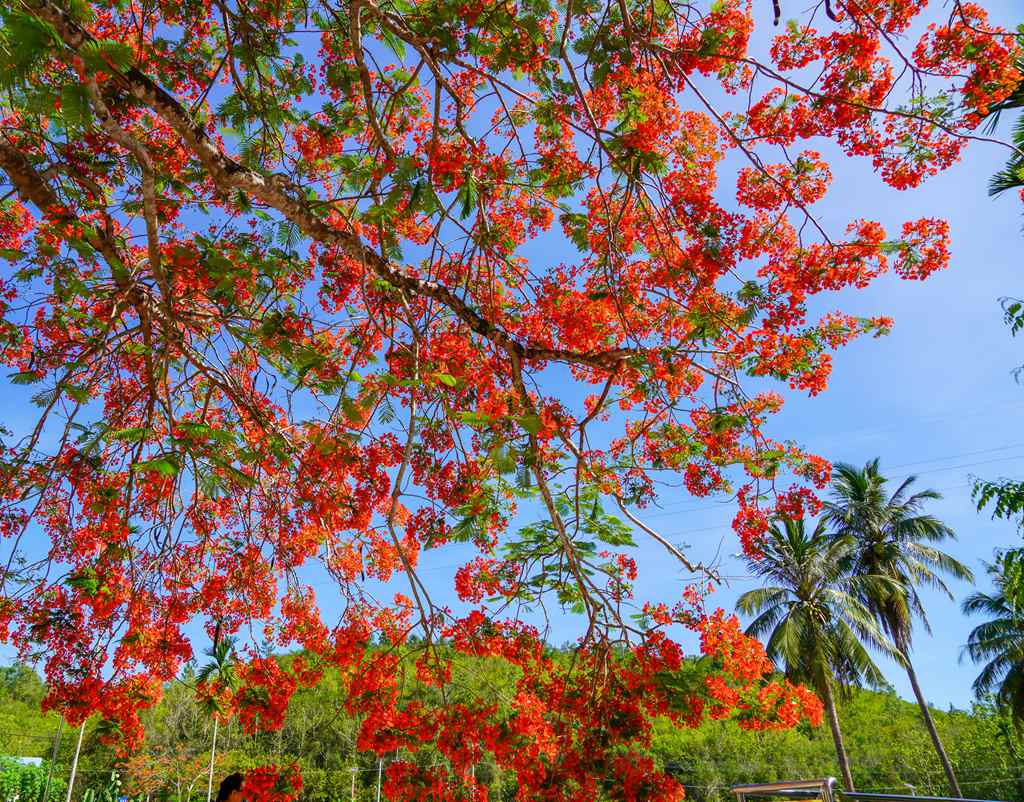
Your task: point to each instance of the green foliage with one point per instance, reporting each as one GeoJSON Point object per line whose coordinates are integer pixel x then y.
{"type": "Point", "coordinates": [892, 537]}
{"type": "Point", "coordinates": [1011, 566]}
{"type": "Point", "coordinates": [998, 642]}
{"type": "Point", "coordinates": [888, 746]}
{"type": "Point", "coordinates": [24, 731]}
{"type": "Point", "coordinates": [1005, 498]}
{"type": "Point", "coordinates": [24, 43]}
{"type": "Point", "coordinates": [105, 53]}
{"type": "Point", "coordinates": [222, 668]}
{"type": "Point", "coordinates": [540, 545]}
{"type": "Point", "coordinates": [1013, 314]}
{"type": "Point", "coordinates": [889, 749]}
{"type": "Point", "coordinates": [810, 612]}
{"type": "Point", "coordinates": [108, 791]}
{"type": "Point", "coordinates": [25, 783]}
{"type": "Point", "coordinates": [1012, 175]}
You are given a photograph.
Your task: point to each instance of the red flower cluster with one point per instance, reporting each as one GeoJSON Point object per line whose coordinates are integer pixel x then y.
{"type": "Point", "coordinates": [263, 698]}
{"type": "Point", "coordinates": [272, 784]}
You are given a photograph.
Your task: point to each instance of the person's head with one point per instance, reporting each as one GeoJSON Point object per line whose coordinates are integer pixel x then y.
{"type": "Point", "coordinates": [231, 788]}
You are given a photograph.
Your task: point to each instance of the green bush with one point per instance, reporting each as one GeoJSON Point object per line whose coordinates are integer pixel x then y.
{"type": "Point", "coordinates": [25, 783]}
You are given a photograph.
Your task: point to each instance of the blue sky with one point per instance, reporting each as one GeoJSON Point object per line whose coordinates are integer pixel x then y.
{"type": "Point", "coordinates": [935, 397]}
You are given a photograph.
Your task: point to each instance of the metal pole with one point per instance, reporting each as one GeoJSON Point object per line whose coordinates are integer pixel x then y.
{"type": "Point", "coordinates": [53, 759]}
{"type": "Point", "coordinates": [213, 753]}
{"type": "Point", "coordinates": [74, 763]}
{"type": "Point", "coordinates": [354, 770]}
{"type": "Point", "coordinates": [380, 770]}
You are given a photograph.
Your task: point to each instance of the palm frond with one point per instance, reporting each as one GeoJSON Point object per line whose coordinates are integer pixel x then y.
{"type": "Point", "coordinates": [986, 604]}
{"type": "Point", "coordinates": [1012, 175]}
{"type": "Point", "coordinates": [894, 537]}
{"type": "Point", "coordinates": [811, 611]}
{"type": "Point", "coordinates": [998, 642]}
{"type": "Point", "coordinates": [760, 599]}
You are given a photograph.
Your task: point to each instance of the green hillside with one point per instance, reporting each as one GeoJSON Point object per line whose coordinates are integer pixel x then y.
{"type": "Point", "coordinates": [889, 748]}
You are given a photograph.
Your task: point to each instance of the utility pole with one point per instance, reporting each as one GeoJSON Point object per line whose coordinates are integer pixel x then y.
{"type": "Point", "coordinates": [213, 753]}
{"type": "Point", "coordinates": [74, 763]}
{"type": "Point", "coordinates": [53, 759]}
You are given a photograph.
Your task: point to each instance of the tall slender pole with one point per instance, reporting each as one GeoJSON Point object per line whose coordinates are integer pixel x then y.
{"type": "Point", "coordinates": [213, 753]}
{"type": "Point", "coordinates": [53, 759]}
{"type": "Point", "coordinates": [74, 763]}
{"type": "Point", "coordinates": [380, 771]}
{"type": "Point", "coordinates": [354, 770]}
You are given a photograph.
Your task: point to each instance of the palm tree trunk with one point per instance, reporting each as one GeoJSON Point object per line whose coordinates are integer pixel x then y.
{"type": "Point", "coordinates": [74, 763]}
{"type": "Point", "coordinates": [954, 786]}
{"type": "Point", "coordinates": [213, 754]}
{"type": "Point", "coordinates": [837, 734]}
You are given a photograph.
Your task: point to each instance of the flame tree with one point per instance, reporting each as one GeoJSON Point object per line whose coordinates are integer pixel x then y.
{"type": "Point", "coordinates": [326, 284]}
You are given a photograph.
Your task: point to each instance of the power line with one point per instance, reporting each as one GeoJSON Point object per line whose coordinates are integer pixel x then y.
{"type": "Point", "coordinates": [671, 509]}
{"type": "Point", "coordinates": [726, 526]}
{"type": "Point", "coordinates": [723, 527]}
{"type": "Point", "coordinates": [964, 454]}
{"type": "Point", "coordinates": [957, 467]}
{"type": "Point", "coordinates": [994, 781]}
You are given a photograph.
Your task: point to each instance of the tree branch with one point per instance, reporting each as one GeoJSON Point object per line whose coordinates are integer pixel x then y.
{"type": "Point", "coordinates": [282, 194]}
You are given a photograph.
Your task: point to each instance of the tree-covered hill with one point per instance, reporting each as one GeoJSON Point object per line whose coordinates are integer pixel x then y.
{"type": "Point", "coordinates": [889, 751]}
{"type": "Point", "coordinates": [889, 747]}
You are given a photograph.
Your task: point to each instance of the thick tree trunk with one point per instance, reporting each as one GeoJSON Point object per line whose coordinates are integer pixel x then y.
{"type": "Point", "coordinates": [74, 763]}
{"type": "Point", "coordinates": [213, 754]}
{"type": "Point", "coordinates": [954, 786]}
{"type": "Point", "coordinates": [837, 734]}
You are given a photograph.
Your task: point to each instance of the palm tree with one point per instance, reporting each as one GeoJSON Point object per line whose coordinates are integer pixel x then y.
{"type": "Point", "coordinates": [1011, 176]}
{"type": "Point", "coordinates": [894, 537]}
{"type": "Point", "coordinates": [999, 641]}
{"type": "Point", "coordinates": [220, 671]}
{"type": "Point", "coordinates": [817, 628]}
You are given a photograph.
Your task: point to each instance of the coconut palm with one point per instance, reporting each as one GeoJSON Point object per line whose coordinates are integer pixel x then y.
{"type": "Point", "coordinates": [999, 641]}
{"type": "Point", "coordinates": [817, 629]}
{"type": "Point", "coordinates": [1011, 176]}
{"type": "Point", "coordinates": [220, 671]}
{"type": "Point", "coordinates": [894, 537]}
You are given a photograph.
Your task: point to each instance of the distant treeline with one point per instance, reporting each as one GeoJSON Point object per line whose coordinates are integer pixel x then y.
{"type": "Point", "coordinates": [889, 749]}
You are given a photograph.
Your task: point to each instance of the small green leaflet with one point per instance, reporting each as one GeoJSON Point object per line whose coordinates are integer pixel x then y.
{"type": "Point", "coordinates": [166, 465]}
{"type": "Point", "coordinates": [532, 423]}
